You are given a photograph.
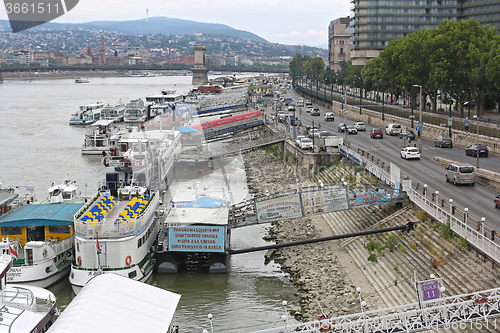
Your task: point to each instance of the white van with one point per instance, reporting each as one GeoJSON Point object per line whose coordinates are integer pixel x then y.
{"type": "Point", "coordinates": [460, 173]}
{"type": "Point", "coordinates": [393, 129]}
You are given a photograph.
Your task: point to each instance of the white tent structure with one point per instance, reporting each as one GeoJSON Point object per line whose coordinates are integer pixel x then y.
{"type": "Point", "coordinates": [113, 303]}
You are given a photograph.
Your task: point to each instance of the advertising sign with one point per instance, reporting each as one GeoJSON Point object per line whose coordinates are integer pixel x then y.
{"type": "Point", "coordinates": [286, 207]}
{"type": "Point", "coordinates": [371, 196]}
{"type": "Point", "coordinates": [324, 201]}
{"type": "Point", "coordinates": [195, 238]}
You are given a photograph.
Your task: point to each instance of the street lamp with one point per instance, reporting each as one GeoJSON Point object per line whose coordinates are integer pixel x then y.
{"type": "Point", "coordinates": [360, 91]}
{"type": "Point", "coordinates": [477, 139]}
{"type": "Point", "coordinates": [383, 98]}
{"type": "Point", "coordinates": [449, 124]}
{"type": "Point", "coordinates": [420, 124]}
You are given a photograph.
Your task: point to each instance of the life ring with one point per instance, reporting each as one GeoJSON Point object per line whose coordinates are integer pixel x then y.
{"type": "Point", "coordinates": [79, 260]}
{"type": "Point", "coordinates": [128, 260]}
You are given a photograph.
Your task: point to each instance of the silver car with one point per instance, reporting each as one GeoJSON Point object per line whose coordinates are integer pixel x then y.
{"type": "Point", "coordinates": [360, 126]}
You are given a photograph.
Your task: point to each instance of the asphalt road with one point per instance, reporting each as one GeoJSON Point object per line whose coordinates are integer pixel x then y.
{"type": "Point", "coordinates": [478, 199]}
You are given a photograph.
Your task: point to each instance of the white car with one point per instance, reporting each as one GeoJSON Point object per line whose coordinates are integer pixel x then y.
{"type": "Point", "coordinates": [351, 129]}
{"type": "Point", "coordinates": [410, 152]}
{"type": "Point", "coordinates": [297, 141]}
{"type": "Point", "coordinates": [309, 108]}
{"type": "Point", "coordinates": [306, 143]}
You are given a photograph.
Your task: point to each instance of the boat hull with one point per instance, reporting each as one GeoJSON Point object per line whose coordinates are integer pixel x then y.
{"type": "Point", "coordinates": [20, 275]}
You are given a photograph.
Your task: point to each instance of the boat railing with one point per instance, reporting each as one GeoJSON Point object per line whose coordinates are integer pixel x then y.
{"type": "Point", "coordinates": [60, 246]}
{"type": "Point", "coordinates": [112, 227]}
{"type": "Point", "coordinates": [18, 297]}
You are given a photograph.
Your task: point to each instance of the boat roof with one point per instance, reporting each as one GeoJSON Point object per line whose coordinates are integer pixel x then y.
{"type": "Point", "coordinates": [45, 214]}
{"type": "Point", "coordinates": [113, 303]}
{"type": "Point", "coordinates": [7, 197]}
{"type": "Point", "coordinates": [103, 122]}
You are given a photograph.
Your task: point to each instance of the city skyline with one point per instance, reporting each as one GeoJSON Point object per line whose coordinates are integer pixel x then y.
{"type": "Point", "coordinates": [285, 22]}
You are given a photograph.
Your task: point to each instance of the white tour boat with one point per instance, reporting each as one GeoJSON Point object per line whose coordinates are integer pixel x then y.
{"type": "Point", "coordinates": [25, 309]}
{"type": "Point", "coordinates": [113, 112]}
{"type": "Point", "coordinates": [135, 111]}
{"type": "Point", "coordinates": [116, 235]}
{"type": "Point", "coordinates": [87, 114]}
{"type": "Point", "coordinates": [102, 137]}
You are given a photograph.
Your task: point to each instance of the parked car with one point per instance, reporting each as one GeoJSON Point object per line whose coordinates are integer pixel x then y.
{"type": "Point", "coordinates": [306, 143]}
{"type": "Point", "coordinates": [410, 152]}
{"type": "Point", "coordinates": [351, 129]}
{"type": "Point", "coordinates": [324, 134]}
{"type": "Point", "coordinates": [472, 150]}
{"type": "Point", "coordinates": [407, 134]}
{"type": "Point", "coordinates": [315, 112]}
{"type": "Point", "coordinates": [297, 141]}
{"type": "Point", "coordinates": [497, 201]}
{"type": "Point", "coordinates": [377, 133]}
{"type": "Point", "coordinates": [313, 133]}
{"type": "Point", "coordinates": [360, 126]}
{"type": "Point", "coordinates": [341, 127]}
{"type": "Point", "coordinates": [393, 129]}
{"type": "Point", "coordinates": [443, 141]}
{"type": "Point", "coordinates": [329, 116]}
{"type": "Point", "coordinates": [460, 173]}
{"type": "Point", "coordinates": [309, 108]}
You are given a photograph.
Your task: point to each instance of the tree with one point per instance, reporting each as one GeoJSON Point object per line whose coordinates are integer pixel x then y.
{"type": "Point", "coordinates": [314, 67]}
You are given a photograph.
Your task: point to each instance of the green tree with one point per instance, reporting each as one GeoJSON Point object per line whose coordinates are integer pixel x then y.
{"type": "Point", "coordinates": [314, 67]}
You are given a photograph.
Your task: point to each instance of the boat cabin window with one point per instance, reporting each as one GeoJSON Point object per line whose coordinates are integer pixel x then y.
{"type": "Point", "coordinates": [12, 231]}
{"type": "Point", "coordinates": [59, 229]}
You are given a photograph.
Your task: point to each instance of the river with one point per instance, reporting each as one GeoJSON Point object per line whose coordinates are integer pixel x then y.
{"type": "Point", "coordinates": [38, 147]}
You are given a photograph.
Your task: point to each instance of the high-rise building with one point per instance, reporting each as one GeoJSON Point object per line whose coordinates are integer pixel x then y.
{"type": "Point", "coordinates": [377, 22]}
{"type": "Point", "coordinates": [338, 43]}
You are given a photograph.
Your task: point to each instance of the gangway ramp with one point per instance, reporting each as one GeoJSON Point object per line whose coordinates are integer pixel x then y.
{"type": "Point", "coordinates": [467, 311]}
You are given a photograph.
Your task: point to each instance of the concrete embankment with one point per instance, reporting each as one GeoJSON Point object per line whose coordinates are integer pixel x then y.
{"type": "Point", "coordinates": [327, 274]}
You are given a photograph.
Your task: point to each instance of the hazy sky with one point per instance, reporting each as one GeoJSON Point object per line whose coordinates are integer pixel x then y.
{"type": "Point", "coordinates": [278, 21]}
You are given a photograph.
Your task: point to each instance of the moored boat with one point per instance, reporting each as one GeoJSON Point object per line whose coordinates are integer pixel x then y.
{"type": "Point", "coordinates": [116, 235]}
{"type": "Point", "coordinates": [66, 191]}
{"type": "Point", "coordinates": [39, 237]}
{"type": "Point", "coordinates": [113, 112]}
{"type": "Point", "coordinates": [210, 88]}
{"type": "Point", "coordinates": [87, 114]}
{"type": "Point", "coordinates": [25, 309]}
{"type": "Point", "coordinates": [102, 137]}
{"type": "Point", "coordinates": [135, 111]}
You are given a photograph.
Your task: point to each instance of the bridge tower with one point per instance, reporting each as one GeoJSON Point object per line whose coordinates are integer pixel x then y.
{"type": "Point", "coordinates": [199, 68]}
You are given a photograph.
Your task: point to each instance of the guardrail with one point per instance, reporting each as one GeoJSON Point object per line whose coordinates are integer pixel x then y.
{"type": "Point", "coordinates": [468, 227]}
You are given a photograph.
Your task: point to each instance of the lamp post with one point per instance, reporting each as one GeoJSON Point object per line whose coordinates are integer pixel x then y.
{"type": "Point", "coordinates": [477, 140]}
{"type": "Point", "coordinates": [466, 212]}
{"type": "Point", "coordinates": [420, 126]}
{"type": "Point", "coordinates": [360, 91]}
{"type": "Point", "coordinates": [383, 98]}
{"type": "Point", "coordinates": [449, 124]}
{"type": "Point", "coordinates": [412, 116]}
{"type": "Point", "coordinates": [345, 120]}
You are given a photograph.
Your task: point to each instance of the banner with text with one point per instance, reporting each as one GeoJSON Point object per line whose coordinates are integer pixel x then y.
{"type": "Point", "coordinates": [324, 201]}
{"type": "Point", "coordinates": [286, 207]}
{"type": "Point", "coordinates": [371, 196]}
{"type": "Point", "coordinates": [196, 238]}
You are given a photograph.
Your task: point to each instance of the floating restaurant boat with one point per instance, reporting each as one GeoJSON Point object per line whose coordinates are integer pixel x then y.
{"type": "Point", "coordinates": [135, 111]}
{"type": "Point", "coordinates": [24, 309]}
{"type": "Point", "coordinates": [39, 237]}
{"type": "Point", "coordinates": [87, 114]}
{"type": "Point", "coordinates": [195, 234]}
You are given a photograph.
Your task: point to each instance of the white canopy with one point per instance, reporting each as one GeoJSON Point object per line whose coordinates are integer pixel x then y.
{"type": "Point", "coordinates": [113, 303]}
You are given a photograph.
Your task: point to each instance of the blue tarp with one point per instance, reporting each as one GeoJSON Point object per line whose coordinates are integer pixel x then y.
{"type": "Point", "coordinates": [205, 202]}
{"type": "Point", "coordinates": [41, 215]}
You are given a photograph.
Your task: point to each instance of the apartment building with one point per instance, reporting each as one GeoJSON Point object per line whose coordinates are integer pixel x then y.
{"type": "Point", "coordinates": [338, 43]}
{"type": "Point", "coordinates": [376, 22]}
